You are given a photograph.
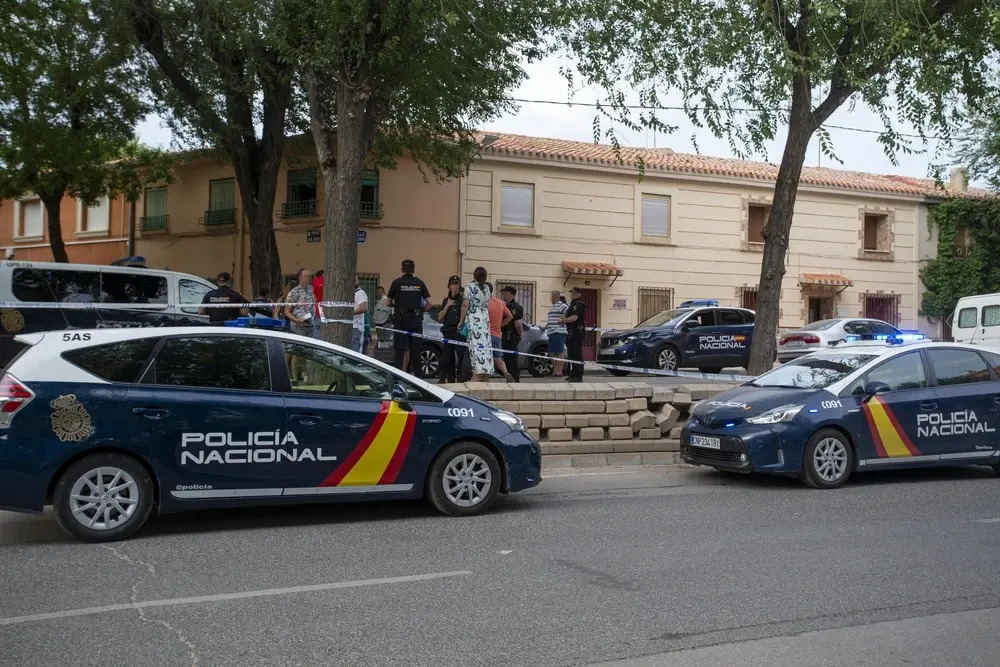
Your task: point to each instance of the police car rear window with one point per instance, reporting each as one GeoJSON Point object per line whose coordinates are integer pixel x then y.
{"type": "Point", "coordinates": [114, 362]}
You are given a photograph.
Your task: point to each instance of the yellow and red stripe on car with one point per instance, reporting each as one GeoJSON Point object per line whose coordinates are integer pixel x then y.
{"type": "Point", "coordinates": [379, 456]}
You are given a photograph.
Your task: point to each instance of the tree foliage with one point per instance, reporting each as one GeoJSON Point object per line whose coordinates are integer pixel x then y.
{"type": "Point", "coordinates": [952, 275]}
{"type": "Point", "coordinates": [69, 101]}
{"type": "Point", "coordinates": [978, 145]}
{"type": "Point", "coordinates": [746, 68]}
{"type": "Point", "coordinates": [403, 77]}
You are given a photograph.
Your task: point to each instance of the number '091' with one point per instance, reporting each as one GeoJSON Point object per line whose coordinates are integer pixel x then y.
{"type": "Point", "coordinates": [461, 412]}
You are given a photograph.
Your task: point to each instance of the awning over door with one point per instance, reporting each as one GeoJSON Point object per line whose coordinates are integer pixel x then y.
{"type": "Point", "coordinates": [824, 280]}
{"type": "Point", "coordinates": [573, 268]}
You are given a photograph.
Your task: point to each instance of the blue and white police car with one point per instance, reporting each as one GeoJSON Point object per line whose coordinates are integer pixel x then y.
{"type": "Point", "coordinates": [110, 425]}
{"type": "Point", "coordinates": [872, 405]}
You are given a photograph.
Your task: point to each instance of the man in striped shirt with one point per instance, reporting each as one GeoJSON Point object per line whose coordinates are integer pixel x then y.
{"type": "Point", "coordinates": [556, 331]}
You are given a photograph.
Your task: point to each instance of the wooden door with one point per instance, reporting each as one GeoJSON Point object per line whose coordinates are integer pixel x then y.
{"type": "Point", "coordinates": [591, 301]}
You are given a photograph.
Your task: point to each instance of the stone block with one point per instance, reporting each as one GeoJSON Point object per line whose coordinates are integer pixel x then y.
{"type": "Point", "coordinates": [661, 395]}
{"type": "Point", "coordinates": [590, 460]}
{"type": "Point", "coordinates": [649, 433]}
{"type": "Point", "coordinates": [642, 419]}
{"type": "Point", "coordinates": [682, 400]}
{"type": "Point", "coordinates": [528, 408]}
{"type": "Point", "coordinates": [510, 406]}
{"type": "Point", "coordinates": [623, 389]}
{"type": "Point", "coordinates": [635, 404]}
{"type": "Point", "coordinates": [675, 432]}
{"type": "Point", "coordinates": [660, 458]}
{"type": "Point", "coordinates": [559, 434]}
{"type": "Point", "coordinates": [597, 420]}
{"type": "Point", "coordinates": [618, 419]}
{"type": "Point", "coordinates": [501, 392]}
{"type": "Point", "coordinates": [592, 447]}
{"type": "Point", "coordinates": [642, 390]}
{"type": "Point", "coordinates": [558, 448]}
{"type": "Point", "coordinates": [551, 408]}
{"type": "Point", "coordinates": [603, 391]}
{"type": "Point", "coordinates": [481, 390]}
{"type": "Point", "coordinates": [667, 417]}
{"type": "Point", "coordinates": [592, 433]}
{"type": "Point", "coordinates": [557, 392]}
{"type": "Point", "coordinates": [522, 392]}
{"type": "Point", "coordinates": [553, 421]}
{"type": "Point", "coordinates": [612, 407]}
{"type": "Point", "coordinates": [557, 462]}
{"type": "Point", "coordinates": [574, 407]}
{"type": "Point", "coordinates": [583, 391]}
{"type": "Point", "coordinates": [593, 407]}
{"type": "Point", "coordinates": [577, 421]}
{"type": "Point", "coordinates": [665, 445]}
{"type": "Point", "coordinates": [457, 387]}
{"type": "Point", "coordinates": [534, 433]}
{"type": "Point", "coordinates": [531, 421]}
{"type": "Point", "coordinates": [700, 393]}
{"type": "Point", "coordinates": [629, 445]}
{"type": "Point", "coordinates": [623, 459]}
{"type": "Point", "coordinates": [620, 432]}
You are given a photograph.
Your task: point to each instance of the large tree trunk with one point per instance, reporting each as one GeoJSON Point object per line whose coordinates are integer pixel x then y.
{"type": "Point", "coordinates": [801, 126]}
{"type": "Point", "coordinates": [52, 203]}
{"type": "Point", "coordinates": [257, 177]}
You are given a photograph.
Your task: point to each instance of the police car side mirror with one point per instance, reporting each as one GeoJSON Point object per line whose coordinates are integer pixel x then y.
{"type": "Point", "coordinates": [874, 389]}
{"type": "Point", "coordinates": [401, 396]}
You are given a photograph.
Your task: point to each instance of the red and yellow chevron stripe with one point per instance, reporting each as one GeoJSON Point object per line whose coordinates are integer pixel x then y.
{"type": "Point", "coordinates": [890, 439]}
{"type": "Point", "coordinates": [379, 456]}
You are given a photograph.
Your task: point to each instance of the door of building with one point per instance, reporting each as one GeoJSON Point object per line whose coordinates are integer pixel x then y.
{"type": "Point", "coordinates": [820, 308]}
{"type": "Point", "coordinates": [590, 304]}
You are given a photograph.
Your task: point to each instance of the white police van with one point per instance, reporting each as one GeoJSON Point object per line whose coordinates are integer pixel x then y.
{"type": "Point", "coordinates": [47, 296]}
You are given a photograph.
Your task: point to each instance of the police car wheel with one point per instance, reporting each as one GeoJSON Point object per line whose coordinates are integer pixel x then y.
{"type": "Point", "coordinates": [828, 460]}
{"type": "Point", "coordinates": [103, 497]}
{"type": "Point", "coordinates": [666, 358]}
{"type": "Point", "coordinates": [464, 479]}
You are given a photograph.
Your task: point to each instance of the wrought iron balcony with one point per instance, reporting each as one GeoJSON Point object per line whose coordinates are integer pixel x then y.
{"type": "Point", "coordinates": [299, 209]}
{"type": "Point", "coordinates": [220, 216]}
{"type": "Point", "coordinates": [153, 223]}
{"type": "Point", "coordinates": [371, 210]}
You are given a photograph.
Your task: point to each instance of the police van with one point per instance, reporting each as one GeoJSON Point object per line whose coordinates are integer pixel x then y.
{"type": "Point", "coordinates": [110, 425]}
{"type": "Point", "coordinates": [45, 296]}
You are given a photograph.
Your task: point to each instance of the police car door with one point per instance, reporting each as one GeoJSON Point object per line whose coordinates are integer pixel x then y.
{"type": "Point", "coordinates": [700, 339]}
{"type": "Point", "coordinates": [734, 333]}
{"type": "Point", "coordinates": [204, 413]}
{"type": "Point", "coordinates": [884, 426]}
{"type": "Point", "coordinates": [964, 426]}
{"type": "Point", "coordinates": [340, 410]}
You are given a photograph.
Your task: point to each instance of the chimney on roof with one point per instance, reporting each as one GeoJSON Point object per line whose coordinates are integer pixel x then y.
{"type": "Point", "coordinates": [489, 139]}
{"type": "Point", "coordinates": [957, 180]}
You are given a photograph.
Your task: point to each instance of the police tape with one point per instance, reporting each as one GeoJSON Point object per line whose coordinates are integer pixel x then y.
{"type": "Point", "coordinates": [97, 305]}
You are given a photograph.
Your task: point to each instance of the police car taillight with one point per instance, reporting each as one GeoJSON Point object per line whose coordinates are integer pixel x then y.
{"type": "Point", "coordinates": [13, 397]}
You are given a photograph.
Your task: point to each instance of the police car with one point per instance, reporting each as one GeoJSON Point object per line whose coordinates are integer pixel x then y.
{"type": "Point", "coordinates": [707, 338]}
{"type": "Point", "coordinates": [872, 405]}
{"type": "Point", "coordinates": [109, 425]}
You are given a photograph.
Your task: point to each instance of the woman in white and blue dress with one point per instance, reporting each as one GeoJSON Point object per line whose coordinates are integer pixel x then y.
{"type": "Point", "coordinates": [476, 314]}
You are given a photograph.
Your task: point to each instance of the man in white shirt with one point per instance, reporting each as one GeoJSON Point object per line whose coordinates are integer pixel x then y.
{"type": "Point", "coordinates": [358, 324]}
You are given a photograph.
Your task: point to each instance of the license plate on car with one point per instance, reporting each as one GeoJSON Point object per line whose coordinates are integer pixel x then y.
{"type": "Point", "coordinates": [793, 343]}
{"type": "Point", "coordinates": [706, 442]}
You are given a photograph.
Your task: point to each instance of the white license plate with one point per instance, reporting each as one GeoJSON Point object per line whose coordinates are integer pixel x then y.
{"type": "Point", "coordinates": [793, 343]}
{"type": "Point", "coordinates": [707, 443]}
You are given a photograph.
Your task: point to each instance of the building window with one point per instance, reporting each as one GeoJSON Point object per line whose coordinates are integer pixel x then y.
{"type": "Point", "coordinates": [517, 206]}
{"type": "Point", "coordinates": [748, 298]}
{"type": "Point", "coordinates": [300, 199]}
{"type": "Point", "coordinates": [655, 216]}
{"type": "Point", "coordinates": [368, 282]}
{"type": "Point", "coordinates": [961, 245]}
{"type": "Point", "coordinates": [883, 307]}
{"type": "Point", "coordinates": [525, 296]}
{"type": "Point", "coordinates": [757, 215]}
{"type": "Point", "coordinates": [32, 216]}
{"type": "Point", "coordinates": [154, 215]}
{"type": "Point", "coordinates": [371, 208]}
{"type": "Point", "coordinates": [221, 202]}
{"type": "Point", "coordinates": [876, 232]}
{"type": "Point", "coordinates": [95, 218]}
{"type": "Point", "coordinates": [654, 300]}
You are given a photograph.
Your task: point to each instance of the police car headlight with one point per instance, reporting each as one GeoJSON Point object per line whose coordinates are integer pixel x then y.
{"type": "Point", "coordinates": [785, 413]}
{"type": "Point", "coordinates": [631, 338]}
{"type": "Point", "coordinates": [510, 419]}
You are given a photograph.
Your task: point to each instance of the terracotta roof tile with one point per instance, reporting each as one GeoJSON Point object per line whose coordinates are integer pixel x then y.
{"type": "Point", "coordinates": [834, 279]}
{"type": "Point", "coordinates": [592, 268]}
{"type": "Point", "coordinates": [666, 160]}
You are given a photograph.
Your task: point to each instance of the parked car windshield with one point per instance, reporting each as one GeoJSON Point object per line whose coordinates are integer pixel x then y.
{"type": "Point", "coordinates": [814, 371]}
{"type": "Point", "coordinates": [666, 317]}
{"type": "Point", "coordinates": [820, 325]}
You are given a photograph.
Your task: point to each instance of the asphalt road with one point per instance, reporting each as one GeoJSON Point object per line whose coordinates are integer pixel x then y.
{"type": "Point", "coordinates": [652, 566]}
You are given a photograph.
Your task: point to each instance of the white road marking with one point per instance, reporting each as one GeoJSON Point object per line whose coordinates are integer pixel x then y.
{"type": "Point", "coordinates": [222, 597]}
{"type": "Point", "coordinates": [997, 520]}
{"type": "Point", "coordinates": [505, 552]}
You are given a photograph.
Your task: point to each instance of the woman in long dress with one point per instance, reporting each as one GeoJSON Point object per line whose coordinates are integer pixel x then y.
{"type": "Point", "coordinates": [476, 314]}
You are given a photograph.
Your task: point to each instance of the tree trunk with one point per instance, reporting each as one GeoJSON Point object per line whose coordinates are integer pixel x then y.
{"type": "Point", "coordinates": [257, 177]}
{"type": "Point", "coordinates": [342, 196]}
{"type": "Point", "coordinates": [801, 126]}
{"type": "Point", "coordinates": [52, 203]}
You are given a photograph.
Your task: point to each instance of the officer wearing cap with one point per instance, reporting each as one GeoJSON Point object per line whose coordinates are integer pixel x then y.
{"type": "Point", "coordinates": [409, 297]}
{"type": "Point", "coordinates": [575, 331]}
{"type": "Point", "coordinates": [224, 293]}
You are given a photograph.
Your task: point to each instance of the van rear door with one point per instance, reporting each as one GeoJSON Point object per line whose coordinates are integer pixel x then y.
{"type": "Point", "coordinates": [965, 328]}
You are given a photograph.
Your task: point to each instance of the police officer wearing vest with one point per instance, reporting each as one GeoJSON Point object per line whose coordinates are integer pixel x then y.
{"type": "Point", "coordinates": [575, 331]}
{"type": "Point", "coordinates": [223, 294]}
{"type": "Point", "coordinates": [409, 298]}
{"type": "Point", "coordinates": [453, 355]}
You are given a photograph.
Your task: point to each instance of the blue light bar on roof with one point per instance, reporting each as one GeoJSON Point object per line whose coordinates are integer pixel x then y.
{"type": "Point", "coordinates": [890, 339]}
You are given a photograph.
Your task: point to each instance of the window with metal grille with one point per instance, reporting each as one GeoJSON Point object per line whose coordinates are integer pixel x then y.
{"type": "Point", "coordinates": [653, 300]}
{"type": "Point", "coordinates": [748, 298]}
{"type": "Point", "coordinates": [525, 296]}
{"type": "Point", "coordinates": [883, 307]}
{"type": "Point", "coordinates": [368, 282]}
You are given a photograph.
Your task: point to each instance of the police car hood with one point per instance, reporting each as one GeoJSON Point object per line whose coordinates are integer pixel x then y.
{"type": "Point", "coordinates": [747, 401]}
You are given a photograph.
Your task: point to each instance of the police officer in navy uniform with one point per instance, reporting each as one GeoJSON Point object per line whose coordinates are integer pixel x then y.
{"type": "Point", "coordinates": [224, 293]}
{"type": "Point", "coordinates": [510, 335]}
{"type": "Point", "coordinates": [409, 298]}
{"type": "Point", "coordinates": [453, 355]}
{"type": "Point", "coordinates": [575, 331]}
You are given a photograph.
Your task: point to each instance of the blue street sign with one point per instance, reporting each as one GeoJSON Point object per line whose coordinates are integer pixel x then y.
{"type": "Point", "coordinates": [362, 236]}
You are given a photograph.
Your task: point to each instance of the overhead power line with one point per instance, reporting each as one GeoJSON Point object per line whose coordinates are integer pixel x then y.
{"type": "Point", "coordinates": [642, 107]}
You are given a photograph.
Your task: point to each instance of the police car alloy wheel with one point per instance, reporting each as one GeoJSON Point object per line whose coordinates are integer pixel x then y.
{"type": "Point", "coordinates": [828, 460]}
{"type": "Point", "coordinates": [666, 358]}
{"type": "Point", "coordinates": [464, 479]}
{"type": "Point", "coordinates": [103, 497]}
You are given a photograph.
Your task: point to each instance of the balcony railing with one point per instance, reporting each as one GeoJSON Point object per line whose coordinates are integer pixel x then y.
{"type": "Point", "coordinates": [220, 216]}
{"type": "Point", "coordinates": [371, 210]}
{"type": "Point", "coordinates": [299, 209]}
{"type": "Point", "coordinates": [153, 223]}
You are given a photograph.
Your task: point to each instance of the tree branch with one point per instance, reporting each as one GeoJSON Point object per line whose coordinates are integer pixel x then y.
{"type": "Point", "coordinates": [783, 23]}
{"type": "Point", "coordinates": [319, 122]}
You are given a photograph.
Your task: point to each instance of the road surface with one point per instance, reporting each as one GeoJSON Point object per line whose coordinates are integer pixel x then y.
{"type": "Point", "coordinates": [650, 566]}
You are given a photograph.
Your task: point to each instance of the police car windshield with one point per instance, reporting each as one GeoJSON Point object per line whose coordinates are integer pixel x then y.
{"type": "Point", "coordinates": [667, 317]}
{"type": "Point", "coordinates": [813, 371]}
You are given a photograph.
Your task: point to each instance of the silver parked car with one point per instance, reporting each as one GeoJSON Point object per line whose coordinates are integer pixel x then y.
{"type": "Point", "coordinates": [824, 334]}
{"type": "Point", "coordinates": [534, 341]}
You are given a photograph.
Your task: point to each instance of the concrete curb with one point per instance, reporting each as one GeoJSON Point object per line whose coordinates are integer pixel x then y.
{"type": "Point", "coordinates": [554, 462]}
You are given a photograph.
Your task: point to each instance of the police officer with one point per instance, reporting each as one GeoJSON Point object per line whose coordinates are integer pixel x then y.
{"type": "Point", "coordinates": [511, 334]}
{"type": "Point", "coordinates": [409, 298]}
{"type": "Point", "coordinates": [575, 331]}
{"type": "Point", "coordinates": [453, 357]}
{"type": "Point", "coordinates": [223, 294]}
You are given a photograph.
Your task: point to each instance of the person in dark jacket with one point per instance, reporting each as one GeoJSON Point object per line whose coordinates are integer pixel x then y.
{"type": "Point", "coordinates": [511, 334]}
{"type": "Point", "coordinates": [453, 355]}
{"type": "Point", "coordinates": [575, 330]}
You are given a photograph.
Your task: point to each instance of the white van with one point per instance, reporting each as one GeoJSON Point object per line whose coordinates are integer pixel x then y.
{"type": "Point", "coordinates": [124, 296]}
{"type": "Point", "coordinates": [977, 320]}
